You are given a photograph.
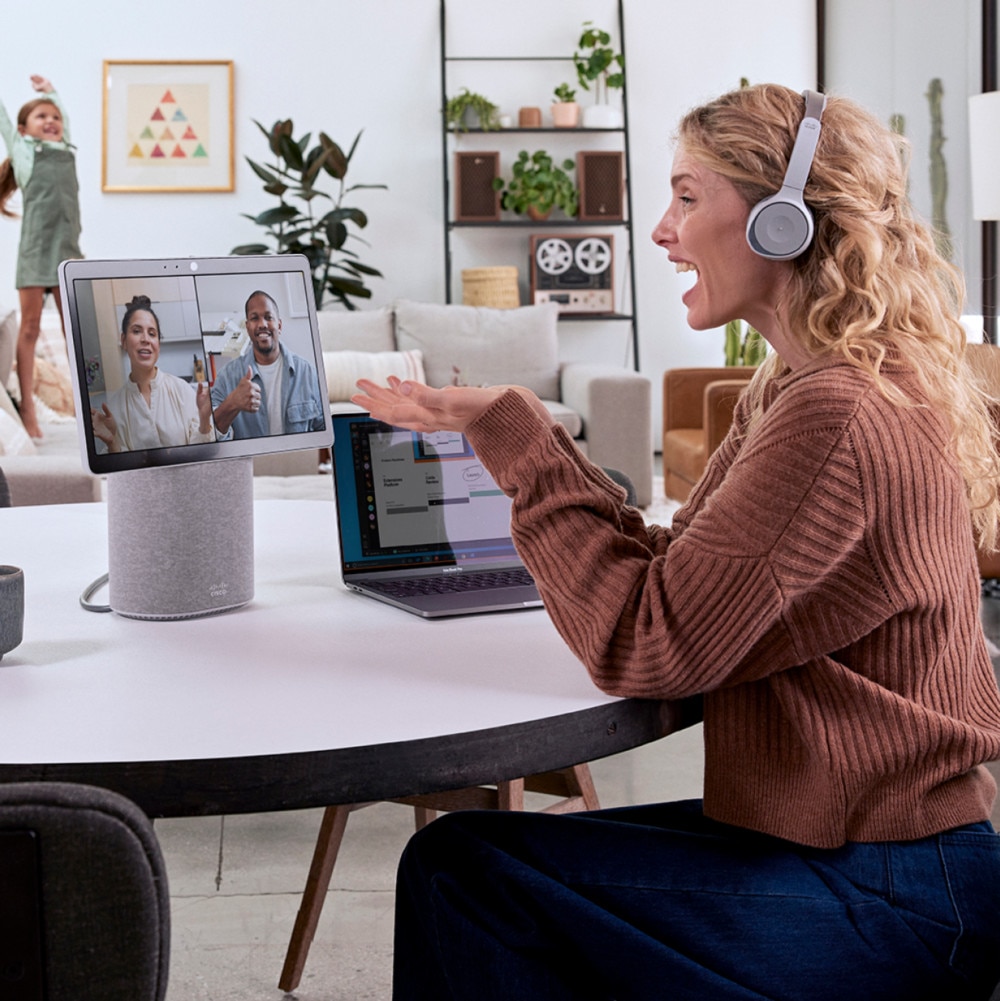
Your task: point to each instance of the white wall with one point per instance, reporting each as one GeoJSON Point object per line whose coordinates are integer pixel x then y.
{"type": "Point", "coordinates": [344, 65]}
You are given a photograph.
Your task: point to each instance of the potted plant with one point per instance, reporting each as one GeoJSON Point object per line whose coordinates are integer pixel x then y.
{"type": "Point", "coordinates": [299, 228]}
{"type": "Point", "coordinates": [538, 185]}
{"type": "Point", "coordinates": [744, 346]}
{"type": "Point", "coordinates": [565, 110]}
{"type": "Point", "coordinates": [470, 110]}
{"type": "Point", "coordinates": [597, 63]}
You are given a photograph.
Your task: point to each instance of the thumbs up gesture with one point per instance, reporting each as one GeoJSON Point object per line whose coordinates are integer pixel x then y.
{"type": "Point", "coordinates": [244, 398]}
{"type": "Point", "coordinates": [249, 398]}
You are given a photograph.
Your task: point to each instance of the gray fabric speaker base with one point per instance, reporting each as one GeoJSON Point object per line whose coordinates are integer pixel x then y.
{"type": "Point", "coordinates": [180, 539]}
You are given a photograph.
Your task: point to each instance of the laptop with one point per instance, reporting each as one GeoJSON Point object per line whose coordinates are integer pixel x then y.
{"type": "Point", "coordinates": [422, 524]}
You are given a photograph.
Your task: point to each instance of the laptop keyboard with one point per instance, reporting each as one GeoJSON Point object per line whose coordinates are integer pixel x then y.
{"type": "Point", "coordinates": [406, 587]}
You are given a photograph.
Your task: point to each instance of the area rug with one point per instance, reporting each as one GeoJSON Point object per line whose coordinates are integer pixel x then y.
{"type": "Point", "coordinates": [661, 510]}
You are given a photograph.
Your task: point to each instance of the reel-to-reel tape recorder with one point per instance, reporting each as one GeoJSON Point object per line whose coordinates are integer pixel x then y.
{"type": "Point", "coordinates": [574, 271]}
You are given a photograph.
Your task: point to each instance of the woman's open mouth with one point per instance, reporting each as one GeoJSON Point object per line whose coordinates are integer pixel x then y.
{"type": "Point", "coordinates": [683, 267]}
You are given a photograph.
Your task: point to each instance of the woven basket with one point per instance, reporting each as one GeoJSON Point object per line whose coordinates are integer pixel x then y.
{"type": "Point", "coordinates": [496, 287]}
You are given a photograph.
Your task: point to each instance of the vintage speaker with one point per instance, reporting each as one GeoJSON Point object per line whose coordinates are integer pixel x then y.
{"type": "Point", "coordinates": [576, 271]}
{"type": "Point", "coordinates": [475, 199]}
{"type": "Point", "coordinates": [602, 185]}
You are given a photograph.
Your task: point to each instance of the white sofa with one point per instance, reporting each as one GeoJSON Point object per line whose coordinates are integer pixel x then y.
{"type": "Point", "coordinates": [50, 470]}
{"type": "Point", "coordinates": [605, 408]}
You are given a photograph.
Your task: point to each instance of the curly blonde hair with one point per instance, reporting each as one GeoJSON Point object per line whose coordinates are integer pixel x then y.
{"type": "Point", "coordinates": [872, 285]}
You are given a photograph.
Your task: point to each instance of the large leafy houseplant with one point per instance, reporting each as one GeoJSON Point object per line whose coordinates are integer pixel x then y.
{"type": "Point", "coordinates": [308, 220]}
{"type": "Point", "coordinates": [538, 185]}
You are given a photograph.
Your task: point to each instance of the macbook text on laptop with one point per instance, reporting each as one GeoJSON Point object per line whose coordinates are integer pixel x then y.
{"type": "Point", "coordinates": [422, 524]}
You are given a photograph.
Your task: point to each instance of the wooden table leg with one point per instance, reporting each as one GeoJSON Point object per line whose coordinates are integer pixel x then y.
{"type": "Point", "coordinates": [331, 834]}
{"type": "Point", "coordinates": [573, 788]}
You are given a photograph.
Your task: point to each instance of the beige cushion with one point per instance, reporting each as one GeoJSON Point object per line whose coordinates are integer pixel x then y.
{"type": "Point", "coordinates": [566, 416]}
{"type": "Point", "coordinates": [8, 342]}
{"type": "Point", "coordinates": [53, 388]}
{"type": "Point", "coordinates": [356, 330]}
{"type": "Point", "coordinates": [7, 404]}
{"type": "Point", "coordinates": [480, 346]}
{"type": "Point", "coordinates": [51, 344]}
{"type": "Point", "coordinates": [14, 440]}
{"type": "Point", "coordinates": [344, 368]}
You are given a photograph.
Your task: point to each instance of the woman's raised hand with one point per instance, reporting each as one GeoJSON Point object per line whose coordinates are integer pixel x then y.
{"type": "Point", "coordinates": [105, 427]}
{"type": "Point", "coordinates": [418, 407]}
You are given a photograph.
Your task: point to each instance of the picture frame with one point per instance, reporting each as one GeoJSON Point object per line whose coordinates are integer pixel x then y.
{"type": "Point", "coordinates": [167, 126]}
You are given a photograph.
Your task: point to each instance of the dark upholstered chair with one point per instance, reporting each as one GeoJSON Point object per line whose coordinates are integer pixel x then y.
{"type": "Point", "coordinates": [4, 491]}
{"type": "Point", "coordinates": [84, 909]}
{"type": "Point", "coordinates": [985, 362]}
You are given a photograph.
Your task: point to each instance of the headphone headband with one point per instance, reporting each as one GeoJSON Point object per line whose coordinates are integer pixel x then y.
{"type": "Point", "coordinates": [781, 227]}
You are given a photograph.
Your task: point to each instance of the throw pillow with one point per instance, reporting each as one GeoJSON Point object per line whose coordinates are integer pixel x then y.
{"type": "Point", "coordinates": [7, 403]}
{"type": "Point", "coordinates": [356, 330]}
{"type": "Point", "coordinates": [14, 440]}
{"type": "Point", "coordinates": [52, 387]}
{"type": "Point", "coordinates": [481, 346]}
{"type": "Point", "coordinates": [8, 342]}
{"type": "Point", "coordinates": [344, 368]}
{"type": "Point", "coordinates": [51, 344]}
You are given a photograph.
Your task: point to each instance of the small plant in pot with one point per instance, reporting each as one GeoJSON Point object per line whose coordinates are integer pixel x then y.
{"type": "Point", "coordinates": [597, 63]}
{"type": "Point", "coordinates": [468, 110]}
{"type": "Point", "coordinates": [538, 185]}
{"type": "Point", "coordinates": [565, 110]}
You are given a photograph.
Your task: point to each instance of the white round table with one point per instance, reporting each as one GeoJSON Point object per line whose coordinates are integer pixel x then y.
{"type": "Point", "coordinates": [309, 696]}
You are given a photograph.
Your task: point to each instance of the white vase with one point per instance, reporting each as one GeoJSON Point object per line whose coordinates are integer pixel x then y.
{"type": "Point", "coordinates": [602, 116]}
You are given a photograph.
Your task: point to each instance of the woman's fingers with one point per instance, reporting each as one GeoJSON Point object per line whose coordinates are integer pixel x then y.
{"type": "Point", "coordinates": [419, 407]}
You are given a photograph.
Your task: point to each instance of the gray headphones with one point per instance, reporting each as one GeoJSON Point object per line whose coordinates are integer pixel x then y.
{"type": "Point", "coordinates": [780, 227]}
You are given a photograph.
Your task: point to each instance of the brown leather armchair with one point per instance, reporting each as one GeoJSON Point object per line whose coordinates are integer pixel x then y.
{"type": "Point", "coordinates": [985, 361]}
{"type": "Point", "coordinates": [697, 412]}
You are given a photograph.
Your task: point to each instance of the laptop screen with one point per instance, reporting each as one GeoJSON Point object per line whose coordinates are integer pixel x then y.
{"type": "Point", "coordinates": [408, 500]}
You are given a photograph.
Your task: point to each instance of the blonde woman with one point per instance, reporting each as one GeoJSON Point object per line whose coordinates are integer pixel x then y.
{"type": "Point", "coordinates": [819, 589]}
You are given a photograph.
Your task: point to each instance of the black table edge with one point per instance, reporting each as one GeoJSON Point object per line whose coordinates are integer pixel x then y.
{"type": "Point", "coordinates": [300, 780]}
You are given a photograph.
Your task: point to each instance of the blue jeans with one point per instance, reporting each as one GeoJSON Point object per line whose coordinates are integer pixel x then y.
{"type": "Point", "coordinates": [661, 902]}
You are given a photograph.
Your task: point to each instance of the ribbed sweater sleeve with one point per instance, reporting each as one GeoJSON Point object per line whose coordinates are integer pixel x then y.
{"type": "Point", "coordinates": [819, 587]}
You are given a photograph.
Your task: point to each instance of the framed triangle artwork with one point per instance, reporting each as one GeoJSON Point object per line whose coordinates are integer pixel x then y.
{"type": "Point", "coordinates": [167, 126]}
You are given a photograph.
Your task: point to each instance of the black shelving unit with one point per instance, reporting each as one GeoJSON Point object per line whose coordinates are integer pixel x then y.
{"type": "Point", "coordinates": [528, 226]}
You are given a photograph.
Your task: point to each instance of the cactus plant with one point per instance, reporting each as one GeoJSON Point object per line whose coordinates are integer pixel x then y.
{"type": "Point", "coordinates": [744, 347]}
{"type": "Point", "coordinates": [939, 172]}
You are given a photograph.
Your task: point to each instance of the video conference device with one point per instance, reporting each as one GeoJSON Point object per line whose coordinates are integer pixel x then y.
{"type": "Point", "coordinates": [199, 303]}
{"type": "Point", "coordinates": [180, 511]}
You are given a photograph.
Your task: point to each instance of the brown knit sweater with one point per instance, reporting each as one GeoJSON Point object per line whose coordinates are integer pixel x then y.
{"type": "Point", "coordinates": [819, 587]}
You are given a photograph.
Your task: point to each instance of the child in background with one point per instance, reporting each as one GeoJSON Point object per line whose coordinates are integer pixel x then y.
{"type": "Point", "coordinates": [42, 164]}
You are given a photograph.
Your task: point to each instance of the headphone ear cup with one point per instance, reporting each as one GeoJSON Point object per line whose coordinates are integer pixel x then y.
{"type": "Point", "coordinates": [780, 227]}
